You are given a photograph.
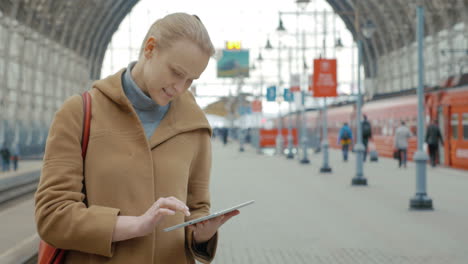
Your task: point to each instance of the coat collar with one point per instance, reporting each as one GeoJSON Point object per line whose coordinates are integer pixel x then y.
{"type": "Point", "coordinates": [184, 114]}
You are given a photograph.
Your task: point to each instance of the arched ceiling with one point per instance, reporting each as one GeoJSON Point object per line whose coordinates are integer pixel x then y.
{"type": "Point", "coordinates": [87, 26]}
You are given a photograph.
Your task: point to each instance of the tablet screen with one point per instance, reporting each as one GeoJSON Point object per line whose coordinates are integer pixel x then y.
{"type": "Point", "coordinates": [213, 215]}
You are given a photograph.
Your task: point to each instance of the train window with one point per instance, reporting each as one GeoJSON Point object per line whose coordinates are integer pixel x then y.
{"type": "Point", "coordinates": [454, 125]}
{"type": "Point", "coordinates": [465, 126]}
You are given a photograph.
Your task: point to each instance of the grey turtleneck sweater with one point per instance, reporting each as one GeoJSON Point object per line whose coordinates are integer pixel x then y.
{"type": "Point", "coordinates": [149, 112]}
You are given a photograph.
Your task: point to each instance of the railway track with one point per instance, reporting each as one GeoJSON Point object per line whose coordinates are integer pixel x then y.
{"type": "Point", "coordinates": [13, 188]}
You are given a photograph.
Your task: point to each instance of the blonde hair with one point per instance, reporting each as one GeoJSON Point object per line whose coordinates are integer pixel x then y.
{"type": "Point", "coordinates": [177, 26]}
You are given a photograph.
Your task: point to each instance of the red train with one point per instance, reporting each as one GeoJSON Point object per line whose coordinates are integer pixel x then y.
{"type": "Point", "coordinates": [449, 105]}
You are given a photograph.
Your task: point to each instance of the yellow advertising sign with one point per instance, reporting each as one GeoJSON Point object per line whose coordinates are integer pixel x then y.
{"type": "Point", "coordinates": [233, 45]}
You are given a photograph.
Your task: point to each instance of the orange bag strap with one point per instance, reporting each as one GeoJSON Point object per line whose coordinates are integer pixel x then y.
{"type": "Point", "coordinates": [86, 132]}
{"type": "Point", "coordinates": [86, 123]}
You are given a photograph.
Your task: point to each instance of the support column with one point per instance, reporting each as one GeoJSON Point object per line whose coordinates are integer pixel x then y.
{"type": "Point", "coordinates": [420, 201]}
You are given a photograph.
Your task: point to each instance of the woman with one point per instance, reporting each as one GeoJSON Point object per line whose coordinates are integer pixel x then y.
{"type": "Point", "coordinates": [148, 161]}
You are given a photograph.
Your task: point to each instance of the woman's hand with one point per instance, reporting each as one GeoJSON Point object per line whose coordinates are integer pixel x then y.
{"type": "Point", "coordinates": [128, 227]}
{"type": "Point", "coordinates": [161, 208]}
{"type": "Point", "coordinates": [205, 230]}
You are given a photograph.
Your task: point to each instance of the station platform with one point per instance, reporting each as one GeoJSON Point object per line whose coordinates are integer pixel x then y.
{"type": "Point", "coordinates": [302, 216]}
{"type": "Point", "coordinates": [18, 240]}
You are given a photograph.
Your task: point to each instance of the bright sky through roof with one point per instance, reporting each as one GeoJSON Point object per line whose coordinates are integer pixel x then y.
{"type": "Point", "coordinates": [250, 22]}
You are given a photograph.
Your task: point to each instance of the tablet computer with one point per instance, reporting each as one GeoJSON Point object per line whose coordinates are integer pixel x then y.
{"type": "Point", "coordinates": [213, 215]}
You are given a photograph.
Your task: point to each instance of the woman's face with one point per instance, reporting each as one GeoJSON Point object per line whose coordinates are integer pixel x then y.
{"type": "Point", "coordinates": [169, 72]}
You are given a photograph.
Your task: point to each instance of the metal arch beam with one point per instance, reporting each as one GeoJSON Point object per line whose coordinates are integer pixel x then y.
{"type": "Point", "coordinates": [393, 46]}
{"type": "Point", "coordinates": [374, 49]}
{"type": "Point", "coordinates": [83, 28]}
{"type": "Point", "coordinates": [346, 11]}
{"type": "Point", "coordinates": [101, 51]}
{"type": "Point", "coordinates": [379, 40]}
{"type": "Point", "coordinates": [73, 40]}
{"type": "Point", "coordinates": [5, 100]}
{"type": "Point", "coordinates": [405, 30]}
{"type": "Point", "coordinates": [450, 33]}
{"type": "Point", "coordinates": [105, 36]}
{"type": "Point", "coordinates": [70, 39]}
{"type": "Point", "coordinates": [93, 26]}
{"type": "Point", "coordinates": [432, 31]}
{"type": "Point", "coordinates": [102, 25]}
{"type": "Point", "coordinates": [21, 106]}
{"type": "Point", "coordinates": [407, 19]}
{"type": "Point", "coordinates": [464, 7]}
{"type": "Point", "coordinates": [387, 41]}
{"type": "Point", "coordinates": [368, 68]}
{"type": "Point", "coordinates": [345, 17]}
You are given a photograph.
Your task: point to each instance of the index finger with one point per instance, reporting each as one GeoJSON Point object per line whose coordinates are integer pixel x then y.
{"type": "Point", "coordinates": [173, 204]}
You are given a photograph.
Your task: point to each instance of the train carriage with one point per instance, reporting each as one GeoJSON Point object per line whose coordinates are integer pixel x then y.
{"type": "Point", "coordinates": [447, 105]}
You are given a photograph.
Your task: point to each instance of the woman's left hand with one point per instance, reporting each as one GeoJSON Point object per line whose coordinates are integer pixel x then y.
{"type": "Point", "coordinates": [205, 230]}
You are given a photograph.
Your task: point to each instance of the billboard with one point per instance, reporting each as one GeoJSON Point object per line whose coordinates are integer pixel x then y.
{"type": "Point", "coordinates": [233, 63]}
{"type": "Point", "coordinates": [325, 83]}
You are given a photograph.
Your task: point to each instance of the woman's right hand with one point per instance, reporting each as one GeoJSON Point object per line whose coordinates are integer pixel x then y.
{"type": "Point", "coordinates": [161, 208]}
{"type": "Point", "coordinates": [128, 227]}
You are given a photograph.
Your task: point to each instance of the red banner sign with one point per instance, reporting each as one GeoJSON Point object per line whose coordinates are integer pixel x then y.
{"type": "Point", "coordinates": [257, 106]}
{"type": "Point", "coordinates": [268, 137]}
{"type": "Point", "coordinates": [325, 82]}
{"type": "Point", "coordinates": [310, 83]}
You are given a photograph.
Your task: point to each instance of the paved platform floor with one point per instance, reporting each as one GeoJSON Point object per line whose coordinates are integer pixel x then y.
{"type": "Point", "coordinates": [17, 227]}
{"type": "Point", "coordinates": [24, 166]}
{"type": "Point", "coordinates": [303, 216]}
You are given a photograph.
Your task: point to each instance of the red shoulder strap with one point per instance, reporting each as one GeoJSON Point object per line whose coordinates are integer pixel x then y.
{"type": "Point", "coordinates": [86, 123]}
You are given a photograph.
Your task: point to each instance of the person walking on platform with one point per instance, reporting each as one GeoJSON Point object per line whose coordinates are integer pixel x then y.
{"type": "Point", "coordinates": [433, 137]}
{"type": "Point", "coordinates": [402, 134]}
{"type": "Point", "coordinates": [345, 137]}
{"type": "Point", "coordinates": [5, 153]}
{"type": "Point", "coordinates": [225, 133]}
{"type": "Point", "coordinates": [15, 158]}
{"type": "Point", "coordinates": [366, 135]}
{"type": "Point", "coordinates": [148, 163]}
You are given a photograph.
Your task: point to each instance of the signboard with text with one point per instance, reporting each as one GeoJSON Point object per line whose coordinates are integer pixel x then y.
{"type": "Point", "coordinates": [288, 95]}
{"type": "Point", "coordinates": [271, 94]}
{"type": "Point", "coordinates": [324, 80]}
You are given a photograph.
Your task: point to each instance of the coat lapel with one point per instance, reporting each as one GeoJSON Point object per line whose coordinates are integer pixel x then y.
{"type": "Point", "coordinates": [183, 115]}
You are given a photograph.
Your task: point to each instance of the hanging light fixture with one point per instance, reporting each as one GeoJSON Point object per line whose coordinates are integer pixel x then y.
{"type": "Point", "coordinates": [280, 28]}
{"type": "Point", "coordinates": [338, 44]}
{"type": "Point", "coordinates": [302, 3]}
{"type": "Point", "coordinates": [268, 45]}
{"type": "Point", "coordinates": [368, 29]}
{"type": "Point", "coordinates": [260, 57]}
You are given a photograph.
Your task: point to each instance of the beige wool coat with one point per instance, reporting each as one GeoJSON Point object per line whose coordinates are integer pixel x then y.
{"type": "Point", "coordinates": [125, 173]}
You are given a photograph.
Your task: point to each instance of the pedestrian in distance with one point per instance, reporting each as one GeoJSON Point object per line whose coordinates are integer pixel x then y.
{"type": "Point", "coordinates": [225, 133]}
{"type": "Point", "coordinates": [433, 137]}
{"type": "Point", "coordinates": [15, 158]}
{"type": "Point", "coordinates": [402, 134]}
{"type": "Point", "coordinates": [5, 153]}
{"type": "Point", "coordinates": [366, 135]}
{"type": "Point", "coordinates": [148, 160]}
{"type": "Point", "coordinates": [345, 138]}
